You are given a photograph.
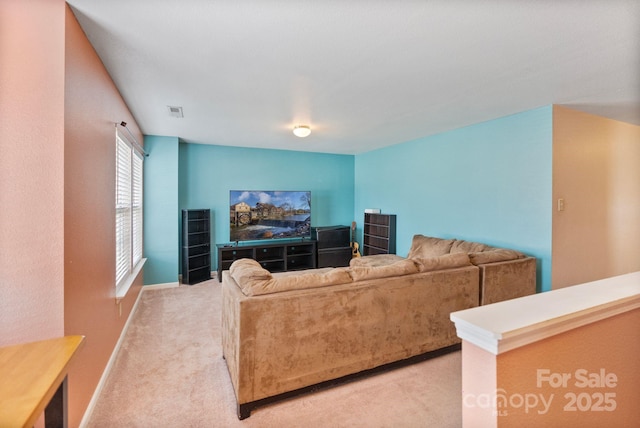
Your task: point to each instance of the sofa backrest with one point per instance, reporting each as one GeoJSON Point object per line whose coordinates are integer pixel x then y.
{"type": "Point", "coordinates": [254, 280]}
{"type": "Point", "coordinates": [424, 247]}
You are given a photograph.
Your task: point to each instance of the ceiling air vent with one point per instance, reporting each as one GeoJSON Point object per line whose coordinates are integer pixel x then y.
{"type": "Point", "coordinates": [175, 111]}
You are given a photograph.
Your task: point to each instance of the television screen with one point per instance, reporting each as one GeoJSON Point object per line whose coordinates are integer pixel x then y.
{"type": "Point", "coordinates": [256, 215]}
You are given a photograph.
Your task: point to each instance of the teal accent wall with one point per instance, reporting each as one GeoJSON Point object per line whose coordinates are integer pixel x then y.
{"type": "Point", "coordinates": [161, 239]}
{"type": "Point", "coordinates": [207, 173]}
{"type": "Point", "coordinates": [489, 182]}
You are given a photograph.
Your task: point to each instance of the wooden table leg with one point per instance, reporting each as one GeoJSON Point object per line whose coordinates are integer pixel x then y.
{"type": "Point", "coordinates": [55, 414]}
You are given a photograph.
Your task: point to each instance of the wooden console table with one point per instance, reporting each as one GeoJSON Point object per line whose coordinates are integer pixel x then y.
{"type": "Point", "coordinates": [33, 379]}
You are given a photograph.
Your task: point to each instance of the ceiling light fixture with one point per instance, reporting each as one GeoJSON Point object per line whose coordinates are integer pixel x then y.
{"type": "Point", "coordinates": [301, 131]}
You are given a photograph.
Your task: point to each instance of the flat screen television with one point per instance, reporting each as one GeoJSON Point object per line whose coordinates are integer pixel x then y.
{"type": "Point", "coordinates": [256, 215]}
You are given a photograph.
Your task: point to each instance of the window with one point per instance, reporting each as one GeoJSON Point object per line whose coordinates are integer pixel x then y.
{"type": "Point", "coordinates": [129, 170]}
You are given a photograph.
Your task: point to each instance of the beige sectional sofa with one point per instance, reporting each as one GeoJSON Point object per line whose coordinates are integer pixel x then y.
{"type": "Point", "coordinates": [283, 332]}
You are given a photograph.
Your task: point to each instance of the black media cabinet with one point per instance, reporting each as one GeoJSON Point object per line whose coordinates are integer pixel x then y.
{"type": "Point", "coordinates": [274, 256]}
{"type": "Point", "coordinates": [333, 244]}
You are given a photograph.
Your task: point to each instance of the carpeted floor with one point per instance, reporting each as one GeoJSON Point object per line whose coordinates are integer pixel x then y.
{"type": "Point", "coordinates": [170, 373]}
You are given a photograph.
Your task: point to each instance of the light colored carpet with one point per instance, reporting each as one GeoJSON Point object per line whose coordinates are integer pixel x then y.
{"type": "Point", "coordinates": [170, 373]}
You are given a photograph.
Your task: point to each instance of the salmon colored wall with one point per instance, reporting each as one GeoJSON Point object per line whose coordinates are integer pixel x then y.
{"type": "Point", "coordinates": [31, 170]}
{"type": "Point", "coordinates": [92, 106]}
{"type": "Point", "coordinates": [56, 190]}
{"type": "Point", "coordinates": [610, 346]}
{"type": "Point", "coordinates": [596, 170]}
{"type": "Point", "coordinates": [605, 353]}
{"type": "Point", "coordinates": [478, 386]}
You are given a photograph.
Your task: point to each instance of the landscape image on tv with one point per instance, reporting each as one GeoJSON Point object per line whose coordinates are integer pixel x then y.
{"type": "Point", "coordinates": [256, 215]}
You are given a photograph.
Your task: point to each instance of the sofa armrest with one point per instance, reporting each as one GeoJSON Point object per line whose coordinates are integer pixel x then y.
{"type": "Point", "coordinates": [235, 351]}
{"type": "Point", "coordinates": [507, 280]}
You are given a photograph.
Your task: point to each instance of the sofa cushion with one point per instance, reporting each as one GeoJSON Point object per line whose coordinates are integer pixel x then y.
{"type": "Point", "coordinates": [254, 280]}
{"type": "Point", "coordinates": [494, 255]}
{"type": "Point", "coordinates": [426, 247]}
{"type": "Point", "coordinates": [247, 271]}
{"type": "Point", "coordinates": [446, 261]}
{"type": "Point", "coordinates": [399, 268]}
{"type": "Point", "coordinates": [306, 279]}
{"type": "Point", "coordinates": [375, 260]}
{"type": "Point", "coordinates": [461, 246]}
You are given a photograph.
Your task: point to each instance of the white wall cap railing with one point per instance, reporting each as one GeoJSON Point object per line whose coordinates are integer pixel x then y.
{"type": "Point", "coordinates": [503, 326]}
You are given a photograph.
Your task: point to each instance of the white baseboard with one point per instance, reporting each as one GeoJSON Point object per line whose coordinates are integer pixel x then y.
{"type": "Point", "coordinates": [114, 354]}
{"type": "Point", "coordinates": [214, 275]}
{"type": "Point", "coordinates": [160, 286]}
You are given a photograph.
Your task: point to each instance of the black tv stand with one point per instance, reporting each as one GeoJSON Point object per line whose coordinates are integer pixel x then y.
{"type": "Point", "coordinates": [276, 256]}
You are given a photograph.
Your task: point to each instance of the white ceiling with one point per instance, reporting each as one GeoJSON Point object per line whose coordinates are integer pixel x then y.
{"type": "Point", "coordinates": [362, 74]}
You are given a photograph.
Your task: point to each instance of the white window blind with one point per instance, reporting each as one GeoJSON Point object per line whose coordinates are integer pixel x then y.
{"type": "Point", "coordinates": [136, 203]}
{"type": "Point", "coordinates": [129, 173]}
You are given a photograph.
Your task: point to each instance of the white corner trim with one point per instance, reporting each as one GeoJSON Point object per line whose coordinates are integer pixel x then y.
{"type": "Point", "coordinates": [508, 325]}
{"type": "Point", "coordinates": [152, 287]}
{"type": "Point", "coordinates": [480, 337]}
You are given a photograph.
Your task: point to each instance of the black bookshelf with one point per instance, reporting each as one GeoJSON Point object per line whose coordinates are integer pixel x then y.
{"type": "Point", "coordinates": [379, 234]}
{"type": "Point", "coordinates": [196, 246]}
